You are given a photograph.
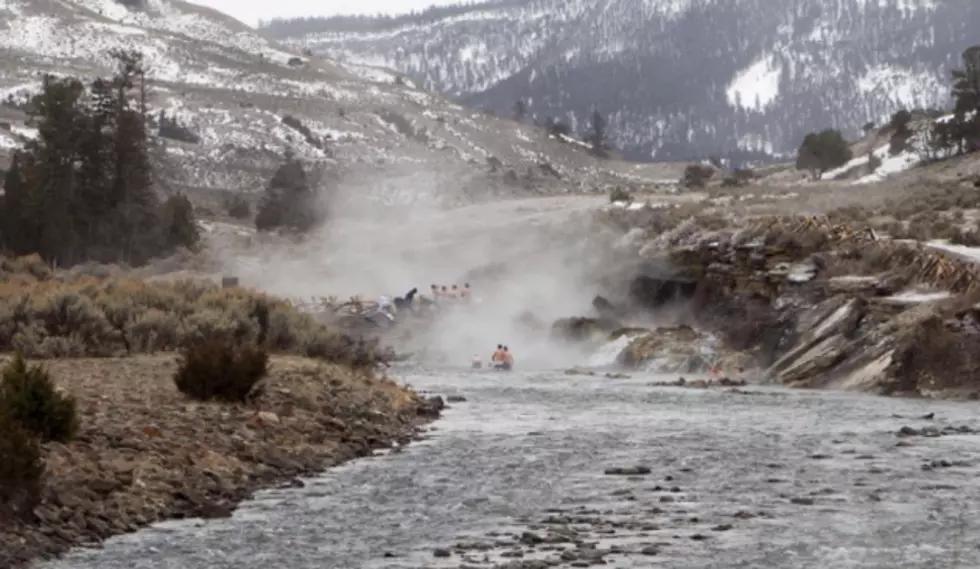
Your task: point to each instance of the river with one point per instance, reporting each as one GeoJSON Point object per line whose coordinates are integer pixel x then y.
{"type": "Point", "coordinates": [755, 477]}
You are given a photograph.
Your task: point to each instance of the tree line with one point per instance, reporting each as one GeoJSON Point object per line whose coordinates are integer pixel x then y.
{"type": "Point", "coordinates": [83, 190]}
{"type": "Point", "coordinates": [280, 28]}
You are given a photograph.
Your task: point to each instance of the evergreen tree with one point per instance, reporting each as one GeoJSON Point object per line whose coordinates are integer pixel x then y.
{"type": "Point", "coordinates": [520, 110]}
{"type": "Point", "coordinates": [597, 135]}
{"type": "Point", "coordinates": [965, 127]}
{"type": "Point", "coordinates": [289, 202]}
{"type": "Point", "coordinates": [697, 175]}
{"type": "Point", "coordinates": [40, 187]}
{"type": "Point", "coordinates": [83, 189]}
{"type": "Point", "coordinates": [901, 132]}
{"type": "Point", "coordinates": [966, 83]}
{"type": "Point", "coordinates": [178, 227]}
{"type": "Point", "coordinates": [822, 151]}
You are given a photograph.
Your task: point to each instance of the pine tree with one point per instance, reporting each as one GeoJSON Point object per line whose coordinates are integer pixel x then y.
{"type": "Point", "coordinates": [822, 151]}
{"type": "Point", "coordinates": [520, 110]}
{"type": "Point", "coordinates": [966, 83]}
{"type": "Point", "coordinates": [40, 190]}
{"type": "Point", "coordinates": [965, 127]}
{"type": "Point", "coordinates": [178, 227]}
{"type": "Point", "coordinates": [597, 136]}
{"type": "Point", "coordinates": [83, 189]}
{"type": "Point", "coordinates": [289, 202]}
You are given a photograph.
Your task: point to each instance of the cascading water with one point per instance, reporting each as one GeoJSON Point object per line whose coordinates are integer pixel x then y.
{"type": "Point", "coordinates": [608, 353]}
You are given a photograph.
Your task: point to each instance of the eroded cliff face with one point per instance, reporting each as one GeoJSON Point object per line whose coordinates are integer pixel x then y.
{"type": "Point", "coordinates": [807, 303]}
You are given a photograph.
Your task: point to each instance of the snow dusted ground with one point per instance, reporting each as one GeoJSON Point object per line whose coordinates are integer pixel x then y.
{"type": "Point", "coordinates": [233, 88]}
{"type": "Point", "coordinates": [916, 154]}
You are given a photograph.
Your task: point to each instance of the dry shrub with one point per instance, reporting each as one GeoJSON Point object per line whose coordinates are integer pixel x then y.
{"type": "Point", "coordinates": [919, 229]}
{"type": "Point", "coordinates": [21, 471]}
{"type": "Point", "coordinates": [620, 195]}
{"type": "Point", "coordinates": [968, 238]}
{"type": "Point", "coordinates": [29, 267]}
{"type": "Point", "coordinates": [357, 353]}
{"type": "Point", "coordinates": [943, 229]}
{"type": "Point", "coordinates": [664, 219]}
{"type": "Point", "coordinates": [932, 199]}
{"type": "Point", "coordinates": [29, 398]}
{"type": "Point", "coordinates": [711, 222]}
{"type": "Point", "coordinates": [849, 214]}
{"type": "Point", "coordinates": [97, 317]}
{"type": "Point", "coordinates": [221, 369]}
{"type": "Point", "coordinates": [797, 244]}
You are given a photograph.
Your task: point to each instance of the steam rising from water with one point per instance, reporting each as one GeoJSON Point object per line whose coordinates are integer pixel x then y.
{"type": "Point", "coordinates": [542, 249]}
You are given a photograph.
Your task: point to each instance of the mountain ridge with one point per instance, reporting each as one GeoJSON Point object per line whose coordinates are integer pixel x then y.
{"type": "Point", "coordinates": [678, 79]}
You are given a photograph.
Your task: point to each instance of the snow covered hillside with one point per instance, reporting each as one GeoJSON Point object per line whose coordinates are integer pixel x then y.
{"type": "Point", "coordinates": [678, 78]}
{"type": "Point", "coordinates": [918, 162]}
{"type": "Point", "coordinates": [246, 100]}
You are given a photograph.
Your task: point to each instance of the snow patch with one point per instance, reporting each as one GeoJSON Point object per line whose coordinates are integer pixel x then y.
{"type": "Point", "coordinates": [905, 88]}
{"type": "Point", "coordinates": [8, 142]}
{"type": "Point", "coordinates": [970, 253]}
{"type": "Point", "coordinates": [890, 164]}
{"type": "Point", "coordinates": [757, 86]}
{"type": "Point", "coordinates": [916, 297]}
{"type": "Point", "coordinates": [25, 131]}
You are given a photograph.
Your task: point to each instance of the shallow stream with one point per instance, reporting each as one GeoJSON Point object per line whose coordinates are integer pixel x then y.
{"type": "Point", "coordinates": [756, 477]}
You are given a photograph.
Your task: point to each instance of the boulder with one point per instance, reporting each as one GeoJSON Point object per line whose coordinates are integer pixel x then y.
{"type": "Point", "coordinates": [605, 308]}
{"type": "Point", "coordinates": [651, 292]}
{"type": "Point", "coordinates": [581, 329]}
{"type": "Point", "coordinates": [431, 407]}
{"type": "Point", "coordinates": [678, 347]}
{"type": "Point", "coordinates": [824, 334]}
{"type": "Point", "coordinates": [262, 419]}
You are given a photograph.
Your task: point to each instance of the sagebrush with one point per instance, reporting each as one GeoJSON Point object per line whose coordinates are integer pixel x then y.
{"type": "Point", "coordinates": [221, 369]}
{"type": "Point", "coordinates": [99, 312]}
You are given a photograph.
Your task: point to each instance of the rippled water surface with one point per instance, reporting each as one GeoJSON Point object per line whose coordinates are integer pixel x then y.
{"type": "Point", "coordinates": [756, 478]}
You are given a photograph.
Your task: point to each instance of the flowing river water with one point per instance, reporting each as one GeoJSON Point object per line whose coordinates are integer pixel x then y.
{"type": "Point", "coordinates": [755, 477]}
{"type": "Point", "coordinates": [516, 475]}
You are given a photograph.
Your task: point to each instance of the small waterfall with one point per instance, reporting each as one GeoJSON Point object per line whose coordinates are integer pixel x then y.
{"type": "Point", "coordinates": [606, 355]}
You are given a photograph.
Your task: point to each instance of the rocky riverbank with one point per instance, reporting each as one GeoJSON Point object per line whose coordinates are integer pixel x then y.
{"type": "Point", "coordinates": [145, 453]}
{"type": "Point", "coordinates": [798, 300]}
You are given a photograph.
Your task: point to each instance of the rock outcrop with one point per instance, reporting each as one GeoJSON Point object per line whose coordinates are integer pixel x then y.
{"type": "Point", "coordinates": [819, 305]}
{"type": "Point", "coordinates": [584, 330]}
{"type": "Point", "coordinates": [679, 349]}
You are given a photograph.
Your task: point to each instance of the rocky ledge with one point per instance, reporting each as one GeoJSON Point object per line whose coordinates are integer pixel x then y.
{"type": "Point", "coordinates": [800, 301]}
{"type": "Point", "coordinates": [146, 454]}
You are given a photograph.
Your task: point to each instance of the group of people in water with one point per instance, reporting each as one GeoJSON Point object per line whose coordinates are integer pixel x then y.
{"type": "Point", "coordinates": [449, 293]}
{"type": "Point", "coordinates": [502, 359]}
{"type": "Point", "coordinates": [438, 294]}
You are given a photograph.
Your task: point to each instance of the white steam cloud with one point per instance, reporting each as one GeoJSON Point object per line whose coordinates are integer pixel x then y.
{"type": "Point", "coordinates": [540, 248]}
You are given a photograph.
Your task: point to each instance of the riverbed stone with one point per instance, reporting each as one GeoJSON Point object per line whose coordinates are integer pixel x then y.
{"type": "Point", "coordinates": [638, 470]}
